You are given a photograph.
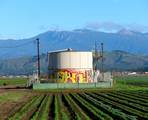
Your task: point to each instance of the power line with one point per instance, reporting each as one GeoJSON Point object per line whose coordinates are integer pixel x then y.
{"type": "Point", "coordinates": [26, 43]}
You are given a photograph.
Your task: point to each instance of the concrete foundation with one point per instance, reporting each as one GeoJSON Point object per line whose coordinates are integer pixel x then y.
{"type": "Point", "coordinates": [104, 84]}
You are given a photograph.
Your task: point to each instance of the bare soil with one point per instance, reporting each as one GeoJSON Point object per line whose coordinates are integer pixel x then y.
{"type": "Point", "coordinates": [8, 108]}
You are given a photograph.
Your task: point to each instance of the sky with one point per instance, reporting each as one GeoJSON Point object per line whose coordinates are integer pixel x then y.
{"type": "Point", "coordinates": [27, 18]}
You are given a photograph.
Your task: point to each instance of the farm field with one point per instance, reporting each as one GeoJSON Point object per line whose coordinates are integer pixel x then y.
{"type": "Point", "coordinates": [125, 101]}
{"type": "Point", "coordinates": [13, 81]}
{"type": "Point", "coordinates": [139, 81]}
{"type": "Point", "coordinates": [103, 105]}
{"type": "Point", "coordinates": [131, 83]}
{"type": "Point", "coordinates": [10, 100]}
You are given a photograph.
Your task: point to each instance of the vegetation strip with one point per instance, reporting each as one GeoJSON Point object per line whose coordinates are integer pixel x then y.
{"type": "Point", "coordinates": [64, 111]}
{"type": "Point", "coordinates": [77, 108]}
{"type": "Point", "coordinates": [132, 97]}
{"type": "Point", "coordinates": [92, 111]}
{"type": "Point", "coordinates": [124, 108]}
{"type": "Point", "coordinates": [73, 114]}
{"type": "Point", "coordinates": [128, 99]}
{"type": "Point", "coordinates": [115, 113]}
{"type": "Point", "coordinates": [135, 94]}
{"type": "Point", "coordinates": [42, 112]}
{"type": "Point", "coordinates": [35, 109]}
{"type": "Point", "coordinates": [23, 109]}
{"type": "Point", "coordinates": [27, 111]}
{"type": "Point", "coordinates": [52, 108]}
{"type": "Point", "coordinates": [17, 108]}
{"type": "Point", "coordinates": [124, 102]}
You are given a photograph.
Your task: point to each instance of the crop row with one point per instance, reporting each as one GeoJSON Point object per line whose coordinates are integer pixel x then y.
{"type": "Point", "coordinates": [136, 94]}
{"type": "Point", "coordinates": [114, 112]}
{"type": "Point", "coordinates": [82, 106]}
{"type": "Point", "coordinates": [125, 108]}
{"type": "Point", "coordinates": [125, 102]}
{"type": "Point", "coordinates": [128, 98]}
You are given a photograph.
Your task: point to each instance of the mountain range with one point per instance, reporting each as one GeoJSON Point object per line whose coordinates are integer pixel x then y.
{"type": "Point", "coordinates": [124, 50]}
{"type": "Point", "coordinates": [78, 39]}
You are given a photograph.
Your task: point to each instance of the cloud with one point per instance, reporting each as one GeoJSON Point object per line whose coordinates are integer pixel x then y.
{"type": "Point", "coordinates": [137, 27]}
{"type": "Point", "coordinates": [4, 37]}
{"type": "Point", "coordinates": [49, 27]}
{"type": "Point", "coordinates": [111, 26]}
{"type": "Point", "coordinates": [107, 26]}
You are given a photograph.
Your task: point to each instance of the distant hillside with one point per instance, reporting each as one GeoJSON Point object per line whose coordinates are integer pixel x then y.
{"type": "Point", "coordinates": [115, 60]}
{"type": "Point", "coordinates": [22, 65]}
{"type": "Point", "coordinates": [120, 60]}
{"type": "Point", "coordinates": [80, 39]}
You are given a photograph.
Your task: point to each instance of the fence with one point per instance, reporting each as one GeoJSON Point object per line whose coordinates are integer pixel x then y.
{"type": "Point", "coordinates": [104, 84]}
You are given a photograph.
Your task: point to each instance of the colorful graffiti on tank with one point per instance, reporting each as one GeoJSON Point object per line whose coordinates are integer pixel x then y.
{"type": "Point", "coordinates": [73, 76]}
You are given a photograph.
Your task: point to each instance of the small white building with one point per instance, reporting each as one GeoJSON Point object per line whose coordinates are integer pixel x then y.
{"type": "Point", "coordinates": [132, 73]}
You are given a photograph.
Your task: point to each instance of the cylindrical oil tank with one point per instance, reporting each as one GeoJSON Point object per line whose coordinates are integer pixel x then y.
{"type": "Point", "coordinates": [70, 66]}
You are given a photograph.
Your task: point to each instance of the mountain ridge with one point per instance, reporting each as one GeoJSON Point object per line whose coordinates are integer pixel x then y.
{"type": "Point", "coordinates": [113, 61]}
{"type": "Point", "coordinates": [124, 52]}
{"type": "Point", "coordinates": [82, 39]}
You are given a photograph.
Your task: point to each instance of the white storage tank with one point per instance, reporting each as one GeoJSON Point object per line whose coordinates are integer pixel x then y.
{"type": "Point", "coordinates": [68, 66]}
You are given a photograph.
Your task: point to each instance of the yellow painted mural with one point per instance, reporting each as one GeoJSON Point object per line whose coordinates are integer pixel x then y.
{"type": "Point", "coordinates": [73, 76]}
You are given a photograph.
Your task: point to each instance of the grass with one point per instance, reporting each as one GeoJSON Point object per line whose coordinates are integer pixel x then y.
{"type": "Point", "coordinates": [131, 83]}
{"type": "Point", "coordinates": [11, 96]}
{"type": "Point", "coordinates": [12, 81]}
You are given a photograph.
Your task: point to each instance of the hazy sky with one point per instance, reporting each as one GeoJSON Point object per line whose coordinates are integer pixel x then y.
{"type": "Point", "coordinates": [26, 18]}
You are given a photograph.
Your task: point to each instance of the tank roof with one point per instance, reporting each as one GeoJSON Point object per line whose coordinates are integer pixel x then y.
{"type": "Point", "coordinates": [66, 50]}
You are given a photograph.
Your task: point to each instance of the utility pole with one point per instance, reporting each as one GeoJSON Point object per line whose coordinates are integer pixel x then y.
{"type": "Point", "coordinates": [102, 65]}
{"type": "Point", "coordinates": [48, 66]}
{"type": "Point", "coordinates": [38, 58]}
{"type": "Point", "coordinates": [96, 58]}
{"type": "Point", "coordinates": [95, 61]}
